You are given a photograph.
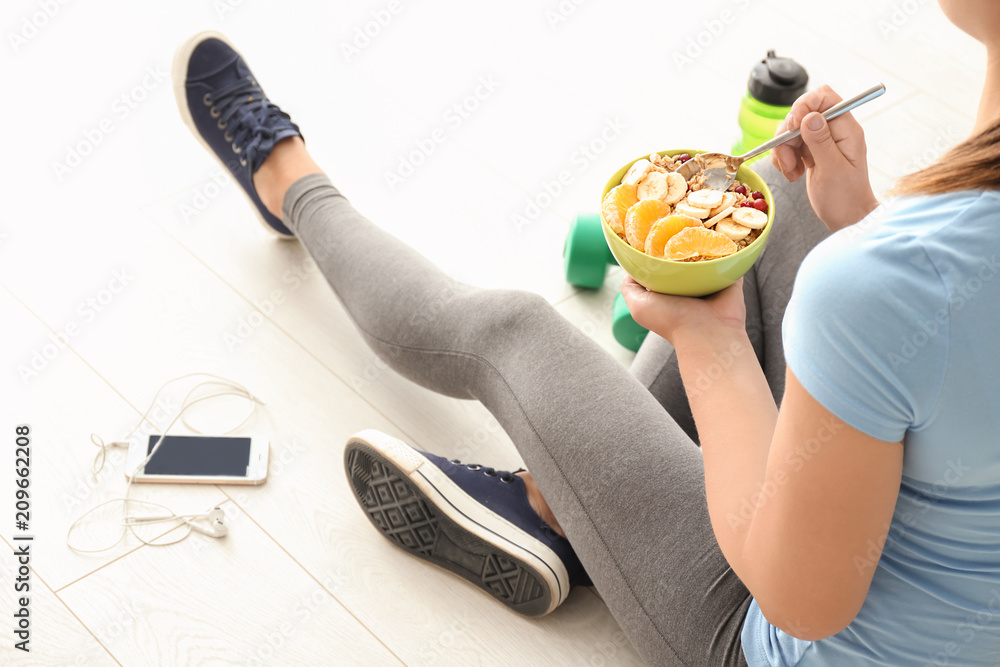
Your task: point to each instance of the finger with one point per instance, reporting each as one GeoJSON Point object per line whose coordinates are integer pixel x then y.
{"type": "Point", "coordinates": [776, 162]}
{"type": "Point", "coordinates": [777, 153]}
{"type": "Point", "coordinates": [639, 301]}
{"type": "Point", "coordinates": [845, 126]}
{"type": "Point", "coordinates": [789, 154]}
{"type": "Point", "coordinates": [817, 100]}
{"type": "Point", "coordinates": [793, 162]}
{"type": "Point", "coordinates": [787, 161]}
{"type": "Point", "coordinates": [630, 286]}
{"type": "Point", "coordinates": [850, 138]}
{"type": "Point", "coordinates": [632, 292]}
{"type": "Point", "coordinates": [794, 154]}
{"type": "Point", "coordinates": [846, 129]}
{"type": "Point", "coordinates": [823, 149]}
{"type": "Point", "coordinates": [784, 160]}
{"type": "Point", "coordinates": [785, 126]}
{"type": "Point", "coordinates": [806, 156]}
{"type": "Point", "coordinates": [820, 99]}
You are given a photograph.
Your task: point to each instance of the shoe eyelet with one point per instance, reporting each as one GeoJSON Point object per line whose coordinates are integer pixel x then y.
{"type": "Point", "coordinates": [207, 100]}
{"type": "Point", "coordinates": [228, 137]}
{"type": "Point", "coordinates": [473, 466]}
{"type": "Point", "coordinates": [214, 113]}
{"type": "Point", "coordinates": [507, 480]}
{"type": "Point", "coordinates": [456, 462]}
{"type": "Point", "coordinates": [221, 125]}
{"type": "Point", "coordinates": [490, 473]}
{"type": "Point", "coordinates": [243, 162]}
{"type": "Point", "coordinates": [237, 149]}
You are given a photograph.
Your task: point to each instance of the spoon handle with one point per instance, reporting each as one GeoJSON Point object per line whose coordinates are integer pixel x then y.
{"type": "Point", "coordinates": [829, 114]}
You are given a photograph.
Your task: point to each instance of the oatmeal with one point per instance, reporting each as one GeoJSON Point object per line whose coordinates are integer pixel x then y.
{"type": "Point", "coordinates": [658, 211]}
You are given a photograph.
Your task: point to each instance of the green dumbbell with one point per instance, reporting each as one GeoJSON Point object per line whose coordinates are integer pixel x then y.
{"type": "Point", "coordinates": [586, 255]}
{"type": "Point", "coordinates": [627, 331]}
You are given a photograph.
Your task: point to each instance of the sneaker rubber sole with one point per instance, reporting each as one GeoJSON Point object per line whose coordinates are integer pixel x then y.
{"type": "Point", "coordinates": [420, 510]}
{"type": "Point", "coordinates": [178, 73]}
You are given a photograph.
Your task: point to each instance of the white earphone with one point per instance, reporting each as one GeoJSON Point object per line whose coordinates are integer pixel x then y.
{"type": "Point", "coordinates": [215, 518]}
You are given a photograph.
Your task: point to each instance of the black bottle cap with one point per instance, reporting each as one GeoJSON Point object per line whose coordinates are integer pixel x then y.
{"type": "Point", "coordinates": [777, 81]}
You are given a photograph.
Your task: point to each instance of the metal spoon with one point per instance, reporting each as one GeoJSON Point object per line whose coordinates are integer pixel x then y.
{"type": "Point", "coordinates": [720, 169]}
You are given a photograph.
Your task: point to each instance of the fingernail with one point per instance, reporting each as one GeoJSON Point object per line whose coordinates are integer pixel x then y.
{"type": "Point", "coordinates": [815, 122]}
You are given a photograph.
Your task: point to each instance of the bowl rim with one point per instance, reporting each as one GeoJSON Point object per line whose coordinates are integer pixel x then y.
{"type": "Point", "coordinates": [766, 231]}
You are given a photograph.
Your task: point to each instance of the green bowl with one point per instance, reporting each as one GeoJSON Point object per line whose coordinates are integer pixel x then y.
{"type": "Point", "coordinates": [688, 278]}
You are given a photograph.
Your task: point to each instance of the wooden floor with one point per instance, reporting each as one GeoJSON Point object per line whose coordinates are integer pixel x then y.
{"type": "Point", "coordinates": [127, 259]}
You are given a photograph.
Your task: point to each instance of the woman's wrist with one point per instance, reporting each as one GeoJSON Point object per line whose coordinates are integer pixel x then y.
{"type": "Point", "coordinates": [711, 337]}
{"type": "Point", "coordinates": [710, 352]}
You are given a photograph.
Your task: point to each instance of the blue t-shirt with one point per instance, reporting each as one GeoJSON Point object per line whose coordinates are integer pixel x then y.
{"type": "Point", "coordinates": [894, 327]}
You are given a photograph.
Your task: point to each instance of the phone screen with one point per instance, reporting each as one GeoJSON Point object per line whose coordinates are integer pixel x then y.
{"type": "Point", "coordinates": [188, 455]}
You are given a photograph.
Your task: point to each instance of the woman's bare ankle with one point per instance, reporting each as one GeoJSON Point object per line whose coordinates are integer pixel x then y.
{"type": "Point", "coordinates": [288, 162]}
{"type": "Point", "coordinates": [537, 502]}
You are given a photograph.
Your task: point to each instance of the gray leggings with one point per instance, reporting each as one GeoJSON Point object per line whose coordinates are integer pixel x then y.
{"type": "Point", "coordinates": [614, 452]}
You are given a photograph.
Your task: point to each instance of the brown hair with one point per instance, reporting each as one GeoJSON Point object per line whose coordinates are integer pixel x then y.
{"type": "Point", "coordinates": [974, 164]}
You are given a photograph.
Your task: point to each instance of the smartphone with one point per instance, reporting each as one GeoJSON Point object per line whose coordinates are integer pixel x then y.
{"type": "Point", "coordinates": [199, 459]}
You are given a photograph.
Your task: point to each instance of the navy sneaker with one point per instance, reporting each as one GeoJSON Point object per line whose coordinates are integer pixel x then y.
{"type": "Point", "coordinates": [470, 520]}
{"type": "Point", "coordinates": [226, 109]}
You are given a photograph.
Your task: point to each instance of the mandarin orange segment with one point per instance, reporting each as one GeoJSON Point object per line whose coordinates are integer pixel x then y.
{"type": "Point", "coordinates": [616, 203]}
{"type": "Point", "coordinates": [640, 218]}
{"type": "Point", "coordinates": [693, 242]}
{"type": "Point", "coordinates": [664, 229]}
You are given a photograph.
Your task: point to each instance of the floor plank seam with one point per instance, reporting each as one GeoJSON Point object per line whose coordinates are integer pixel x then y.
{"type": "Point", "coordinates": [311, 576]}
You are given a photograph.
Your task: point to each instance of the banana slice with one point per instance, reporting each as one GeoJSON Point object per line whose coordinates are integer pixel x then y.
{"type": "Point", "coordinates": [729, 199]}
{"type": "Point", "coordinates": [734, 231]}
{"type": "Point", "coordinates": [653, 186]}
{"type": "Point", "coordinates": [706, 199]}
{"type": "Point", "coordinates": [719, 216]}
{"type": "Point", "coordinates": [677, 188]}
{"type": "Point", "coordinates": [750, 217]}
{"type": "Point", "coordinates": [686, 209]}
{"type": "Point", "coordinates": [637, 172]}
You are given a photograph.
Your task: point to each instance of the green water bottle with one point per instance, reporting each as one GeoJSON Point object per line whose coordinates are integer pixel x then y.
{"type": "Point", "coordinates": [774, 84]}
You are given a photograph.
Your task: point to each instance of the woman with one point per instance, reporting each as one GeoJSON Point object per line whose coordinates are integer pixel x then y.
{"type": "Point", "coordinates": [855, 525]}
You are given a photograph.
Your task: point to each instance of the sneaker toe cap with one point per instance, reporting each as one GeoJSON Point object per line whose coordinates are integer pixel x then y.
{"type": "Point", "coordinates": [209, 57]}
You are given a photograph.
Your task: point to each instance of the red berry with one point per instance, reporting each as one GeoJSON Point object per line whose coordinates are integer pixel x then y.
{"type": "Point", "coordinates": [746, 204]}
{"type": "Point", "coordinates": [756, 194]}
{"type": "Point", "coordinates": [760, 205]}
{"type": "Point", "coordinates": [683, 157]}
{"type": "Point", "coordinates": [740, 189]}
